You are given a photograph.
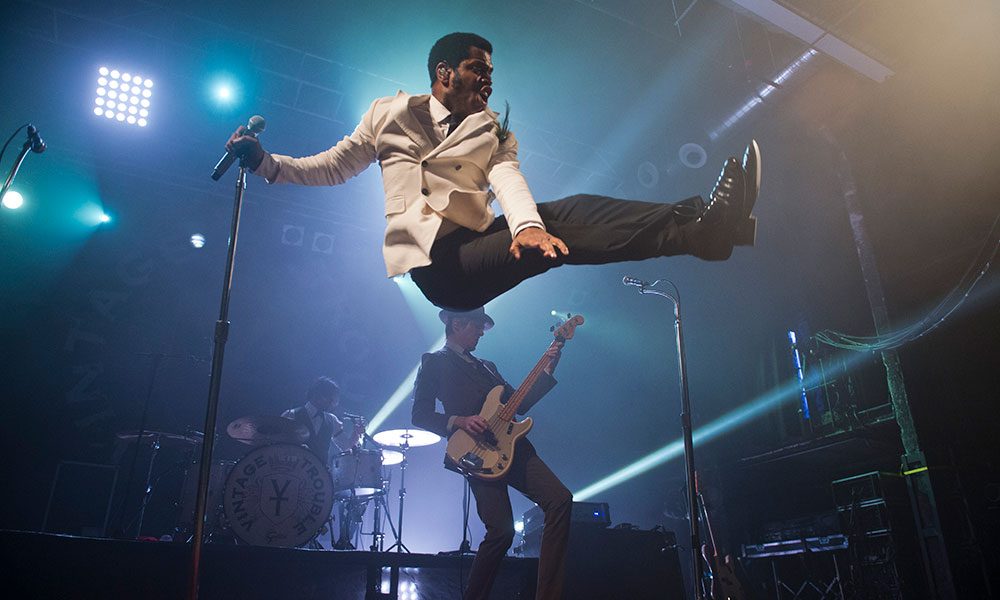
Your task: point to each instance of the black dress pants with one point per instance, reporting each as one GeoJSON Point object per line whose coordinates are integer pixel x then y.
{"type": "Point", "coordinates": [470, 268]}
{"type": "Point", "coordinates": [532, 477]}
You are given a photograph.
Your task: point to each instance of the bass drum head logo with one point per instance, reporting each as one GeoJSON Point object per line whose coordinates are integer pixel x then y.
{"type": "Point", "coordinates": [279, 495]}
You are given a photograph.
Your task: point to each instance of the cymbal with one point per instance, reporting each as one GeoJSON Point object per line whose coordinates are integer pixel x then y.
{"type": "Point", "coordinates": [406, 437]}
{"type": "Point", "coordinates": [259, 430]}
{"type": "Point", "coordinates": [165, 437]}
{"type": "Point", "coordinates": [391, 457]}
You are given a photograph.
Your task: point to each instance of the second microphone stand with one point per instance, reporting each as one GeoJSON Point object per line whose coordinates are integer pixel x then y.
{"type": "Point", "coordinates": [692, 499]}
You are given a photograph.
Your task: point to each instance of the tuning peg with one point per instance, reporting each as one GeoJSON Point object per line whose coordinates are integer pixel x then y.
{"type": "Point", "coordinates": [552, 328]}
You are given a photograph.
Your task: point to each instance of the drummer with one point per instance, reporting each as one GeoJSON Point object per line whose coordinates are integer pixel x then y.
{"type": "Point", "coordinates": [328, 437]}
{"type": "Point", "coordinates": [327, 433]}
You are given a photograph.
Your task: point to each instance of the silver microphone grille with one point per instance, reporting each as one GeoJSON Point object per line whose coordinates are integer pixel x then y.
{"type": "Point", "coordinates": [256, 124]}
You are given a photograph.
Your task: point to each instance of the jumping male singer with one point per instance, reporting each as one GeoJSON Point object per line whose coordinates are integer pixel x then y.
{"type": "Point", "coordinates": [445, 156]}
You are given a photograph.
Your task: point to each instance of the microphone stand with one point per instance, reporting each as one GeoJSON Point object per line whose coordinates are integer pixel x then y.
{"type": "Point", "coordinates": [692, 498]}
{"type": "Point", "coordinates": [17, 163]}
{"type": "Point", "coordinates": [211, 412]}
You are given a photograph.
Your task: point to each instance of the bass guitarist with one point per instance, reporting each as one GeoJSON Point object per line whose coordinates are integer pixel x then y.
{"type": "Point", "coordinates": [461, 382]}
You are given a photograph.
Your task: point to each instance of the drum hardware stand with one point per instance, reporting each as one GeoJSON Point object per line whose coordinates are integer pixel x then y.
{"type": "Point", "coordinates": [215, 383]}
{"type": "Point", "coordinates": [378, 538]}
{"type": "Point", "coordinates": [149, 483]}
{"type": "Point", "coordinates": [399, 546]}
{"type": "Point", "coordinates": [154, 368]}
{"type": "Point", "coordinates": [465, 547]}
{"type": "Point", "coordinates": [692, 499]}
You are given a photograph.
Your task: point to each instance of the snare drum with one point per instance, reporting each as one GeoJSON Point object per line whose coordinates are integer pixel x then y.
{"type": "Point", "coordinates": [357, 473]}
{"type": "Point", "coordinates": [278, 495]}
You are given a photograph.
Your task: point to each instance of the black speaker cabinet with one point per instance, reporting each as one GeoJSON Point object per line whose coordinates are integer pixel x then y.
{"type": "Point", "coordinates": [626, 564]}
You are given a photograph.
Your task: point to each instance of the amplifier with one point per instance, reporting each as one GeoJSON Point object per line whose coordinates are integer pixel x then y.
{"type": "Point", "coordinates": [619, 563]}
{"type": "Point", "coordinates": [594, 514]}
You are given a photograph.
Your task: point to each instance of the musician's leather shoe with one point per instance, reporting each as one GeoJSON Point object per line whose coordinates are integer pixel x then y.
{"type": "Point", "coordinates": [726, 221]}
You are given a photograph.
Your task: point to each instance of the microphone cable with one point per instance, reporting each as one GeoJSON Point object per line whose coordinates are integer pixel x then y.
{"type": "Point", "coordinates": [7, 143]}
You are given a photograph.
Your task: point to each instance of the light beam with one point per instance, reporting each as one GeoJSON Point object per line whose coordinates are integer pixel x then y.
{"type": "Point", "coordinates": [706, 433]}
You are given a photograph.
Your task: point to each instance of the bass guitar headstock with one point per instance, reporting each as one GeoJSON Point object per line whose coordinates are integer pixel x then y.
{"type": "Point", "coordinates": [568, 328]}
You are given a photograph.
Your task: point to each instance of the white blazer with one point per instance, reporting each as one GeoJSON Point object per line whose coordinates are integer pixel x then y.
{"type": "Point", "coordinates": [425, 183]}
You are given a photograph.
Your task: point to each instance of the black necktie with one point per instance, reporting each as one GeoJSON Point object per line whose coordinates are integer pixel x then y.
{"type": "Point", "coordinates": [482, 368]}
{"type": "Point", "coordinates": [452, 124]}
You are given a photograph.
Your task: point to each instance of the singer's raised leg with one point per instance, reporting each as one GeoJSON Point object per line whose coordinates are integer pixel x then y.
{"type": "Point", "coordinates": [471, 268]}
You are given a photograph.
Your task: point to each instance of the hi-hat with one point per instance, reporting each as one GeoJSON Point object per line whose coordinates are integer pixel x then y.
{"type": "Point", "coordinates": [406, 437]}
{"type": "Point", "coordinates": [258, 430]}
{"type": "Point", "coordinates": [164, 437]}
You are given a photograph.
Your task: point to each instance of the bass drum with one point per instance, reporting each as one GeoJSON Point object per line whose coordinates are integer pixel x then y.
{"type": "Point", "coordinates": [278, 495]}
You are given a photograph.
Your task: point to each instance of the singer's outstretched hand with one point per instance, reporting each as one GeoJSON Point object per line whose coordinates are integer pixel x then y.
{"type": "Point", "coordinates": [246, 146]}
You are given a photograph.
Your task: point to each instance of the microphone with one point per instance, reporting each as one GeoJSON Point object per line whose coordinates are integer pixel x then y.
{"type": "Point", "coordinates": [255, 126]}
{"type": "Point", "coordinates": [37, 144]}
{"type": "Point", "coordinates": [627, 280]}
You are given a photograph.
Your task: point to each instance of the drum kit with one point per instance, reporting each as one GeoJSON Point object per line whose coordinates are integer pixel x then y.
{"type": "Point", "coordinates": [280, 493]}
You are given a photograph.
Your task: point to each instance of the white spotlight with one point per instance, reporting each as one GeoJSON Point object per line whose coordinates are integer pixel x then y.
{"type": "Point", "coordinates": [116, 91]}
{"type": "Point", "coordinates": [13, 200]}
{"type": "Point", "coordinates": [198, 240]}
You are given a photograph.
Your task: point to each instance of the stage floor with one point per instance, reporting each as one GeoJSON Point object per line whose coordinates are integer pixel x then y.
{"type": "Point", "coordinates": [41, 565]}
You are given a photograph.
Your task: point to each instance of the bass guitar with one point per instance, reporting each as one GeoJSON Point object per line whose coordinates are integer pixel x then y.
{"type": "Point", "coordinates": [488, 455]}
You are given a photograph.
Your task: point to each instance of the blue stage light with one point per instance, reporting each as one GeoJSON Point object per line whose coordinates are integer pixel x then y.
{"type": "Point", "coordinates": [223, 93]}
{"type": "Point", "coordinates": [13, 200]}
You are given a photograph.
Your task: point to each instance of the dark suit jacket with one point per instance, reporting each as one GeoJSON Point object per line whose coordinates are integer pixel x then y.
{"type": "Point", "coordinates": [318, 441]}
{"type": "Point", "coordinates": [462, 388]}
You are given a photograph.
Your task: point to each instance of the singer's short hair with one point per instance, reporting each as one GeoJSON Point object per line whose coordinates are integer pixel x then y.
{"type": "Point", "coordinates": [453, 49]}
{"type": "Point", "coordinates": [323, 387]}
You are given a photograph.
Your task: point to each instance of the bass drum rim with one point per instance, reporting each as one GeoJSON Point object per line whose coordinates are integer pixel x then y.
{"type": "Point", "coordinates": [294, 473]}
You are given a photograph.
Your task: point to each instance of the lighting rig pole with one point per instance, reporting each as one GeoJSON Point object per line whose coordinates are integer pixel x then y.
{"type": "Point", "coordinates": [697, 573]}
{"type": "Point", "coordinates": [914, 467]}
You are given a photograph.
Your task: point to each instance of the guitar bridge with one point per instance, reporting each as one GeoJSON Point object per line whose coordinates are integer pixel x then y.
{"type": "Point", "coordinates": [471, 462]}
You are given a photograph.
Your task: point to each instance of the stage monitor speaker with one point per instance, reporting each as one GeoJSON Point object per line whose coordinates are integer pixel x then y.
{"type": "Point", "coordinates": [80, 499]}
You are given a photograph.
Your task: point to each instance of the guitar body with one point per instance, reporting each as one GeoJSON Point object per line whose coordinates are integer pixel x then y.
{"type": "Point", "coordinates": [487, 456]}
